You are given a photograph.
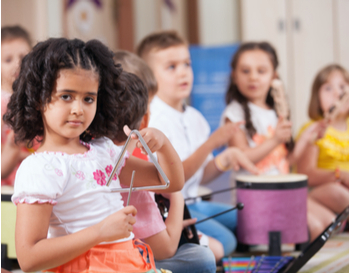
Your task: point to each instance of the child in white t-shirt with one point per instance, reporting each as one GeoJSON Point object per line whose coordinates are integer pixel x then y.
{"type": "Point", "coordinates": [168, 56]}
{"type": "Point", "coordinates": [68, 220]}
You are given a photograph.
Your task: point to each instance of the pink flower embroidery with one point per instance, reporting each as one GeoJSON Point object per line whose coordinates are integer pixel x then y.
{"type": "Point", "coordinates": [100, 177]}
{"type": "Point", "coordinates": [111, 153]}
{"type": "Point", "coordinates": [80, 175]}
{"type": "Point", "coordinates": [109, 169]}
{"type": "Point", "coordinates": [58, 172]}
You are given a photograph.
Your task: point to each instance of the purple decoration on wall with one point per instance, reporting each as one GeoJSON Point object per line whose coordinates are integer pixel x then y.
{"type": "Point", "coordinates": [98, 3]}
{"type": "Point", "coordinates": [170, 5]}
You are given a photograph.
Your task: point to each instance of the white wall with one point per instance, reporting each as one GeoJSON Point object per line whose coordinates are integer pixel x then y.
{"type": "Point", "coordinates": [55, 18]}
{"type": "Point", "coordinates": [146, 19]}
{"type": "Point", "coordinates": [341, 27]}
{"type": "Point", "coordinates": [31, 15]}
{"type": "Point", "coordinates": [218, 22]}
{"type": "Point", "coordinates": [154, 15]}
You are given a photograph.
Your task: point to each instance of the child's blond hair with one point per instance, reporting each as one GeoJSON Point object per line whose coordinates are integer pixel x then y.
{"type": "Point", "coordinates": [315, 111]}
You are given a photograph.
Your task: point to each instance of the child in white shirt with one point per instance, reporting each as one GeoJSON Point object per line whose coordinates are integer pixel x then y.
{"type": "Point", "coordinates": [168, 56]}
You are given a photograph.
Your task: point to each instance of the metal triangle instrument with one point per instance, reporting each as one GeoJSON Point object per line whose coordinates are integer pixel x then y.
{"type": "Point", "coordinates": [153, 159]}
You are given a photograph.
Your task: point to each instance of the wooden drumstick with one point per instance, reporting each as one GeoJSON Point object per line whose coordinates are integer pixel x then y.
{"type": "Point", "coordinates": [280, 98]}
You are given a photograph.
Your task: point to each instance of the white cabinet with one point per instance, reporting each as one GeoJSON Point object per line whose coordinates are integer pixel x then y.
{"type": "Point", "coordinates": [307, 34]}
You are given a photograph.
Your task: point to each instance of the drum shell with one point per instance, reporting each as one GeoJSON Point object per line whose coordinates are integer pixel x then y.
{"type": "Point", "coordinates": [272, 207]}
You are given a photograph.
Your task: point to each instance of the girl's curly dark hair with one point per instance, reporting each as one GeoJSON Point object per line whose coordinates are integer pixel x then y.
{"type": "Point", "coordinates": [234, 94]}
{"type": "Point", "coordinates": [35, 83]}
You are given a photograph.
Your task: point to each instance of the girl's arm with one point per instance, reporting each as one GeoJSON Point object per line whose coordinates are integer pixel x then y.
{"type": "Point", "coordinates": [146, 173]}
{"type": "Point", "coordinates": [282, 134]}
{"type": "Point", "coordinates": [164, 244]}
{"type": "Point", "coordinates": [35, 252]}
{"type": "Point", "coordinates": [308, 165]}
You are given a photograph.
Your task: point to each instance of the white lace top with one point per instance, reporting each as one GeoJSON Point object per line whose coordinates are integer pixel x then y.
{"type": "Point", "coordinates": [74, 184]}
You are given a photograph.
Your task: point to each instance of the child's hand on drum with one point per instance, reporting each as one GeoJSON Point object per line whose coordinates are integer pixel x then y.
{"type": "Point", "coordinates": [234, 158]}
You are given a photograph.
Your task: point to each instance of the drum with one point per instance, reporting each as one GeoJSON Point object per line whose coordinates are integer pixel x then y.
{"type": "Point", "coordinates": [8, 221]}
{"type": "Point", "coordinates": [272, 204]}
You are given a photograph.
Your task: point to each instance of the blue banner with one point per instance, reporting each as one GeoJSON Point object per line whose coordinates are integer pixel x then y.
{"type": "Point", "coordinates": [211, 69]}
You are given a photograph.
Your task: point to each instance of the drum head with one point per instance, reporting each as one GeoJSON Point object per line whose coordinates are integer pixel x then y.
{"type": "Point", "coordinates": [271, 182]}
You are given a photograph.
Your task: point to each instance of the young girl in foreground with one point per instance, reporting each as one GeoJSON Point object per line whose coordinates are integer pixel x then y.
{"type": "Point", "coordinates": [326, 160]}
{"type": "Point", "coordinates": [66, 215]}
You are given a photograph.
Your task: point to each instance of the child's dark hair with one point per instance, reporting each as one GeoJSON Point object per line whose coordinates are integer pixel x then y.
{"type": "Point", "coordinates": [133, 64]}
{"type": "Point", "coordinates": [234, 94]}
{"type": "Point", "coordinates": [15, 32]}
{"type": "Point", "coordinates": [159, 41]}
{"type": "Point", "coordinates": [36, 80]}
{"type": "Point", "coordinates": [132, 94]}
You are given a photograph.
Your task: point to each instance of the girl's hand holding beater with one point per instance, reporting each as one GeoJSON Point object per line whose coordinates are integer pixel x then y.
{"type": "Point", "coordinates": [283, 132]}
{"type": "Point", "coordinates": [118, 225]}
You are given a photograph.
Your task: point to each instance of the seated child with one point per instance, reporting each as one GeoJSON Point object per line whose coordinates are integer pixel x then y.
{"type": "Point", "coordinates": [264, 136]}
{"type": "Point", "coordinates": [15, 44]}
{"type": "Point", "coordinates": [326, 160]}
{"type": "Point", "coordinates": [168, 56]}
{"type": "Point", "coordinates": [68, 220]}
{"type": "Point", "coordinates": [163, 238]}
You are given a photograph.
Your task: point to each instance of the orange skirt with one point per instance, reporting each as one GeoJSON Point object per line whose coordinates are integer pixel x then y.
{"type": "Point", "coordinates": [126, 257]}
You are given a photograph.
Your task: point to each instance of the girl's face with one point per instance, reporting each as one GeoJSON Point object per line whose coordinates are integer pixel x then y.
{"type": "Point", "coordinates": [253, 75]}
{"type": "Point", "coordinates": [12, 53]}
{"type": "Point", "coordinates": [73, 105]}
{"type": "Point", "coordinates": [331, 90]}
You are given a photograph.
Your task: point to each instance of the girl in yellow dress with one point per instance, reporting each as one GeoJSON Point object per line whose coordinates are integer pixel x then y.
{"type": "Point", "coordinates": [326, 158]}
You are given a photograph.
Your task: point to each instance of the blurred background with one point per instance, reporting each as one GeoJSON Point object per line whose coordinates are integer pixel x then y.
{"type": "Point", "coordinates": [307, 34]}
